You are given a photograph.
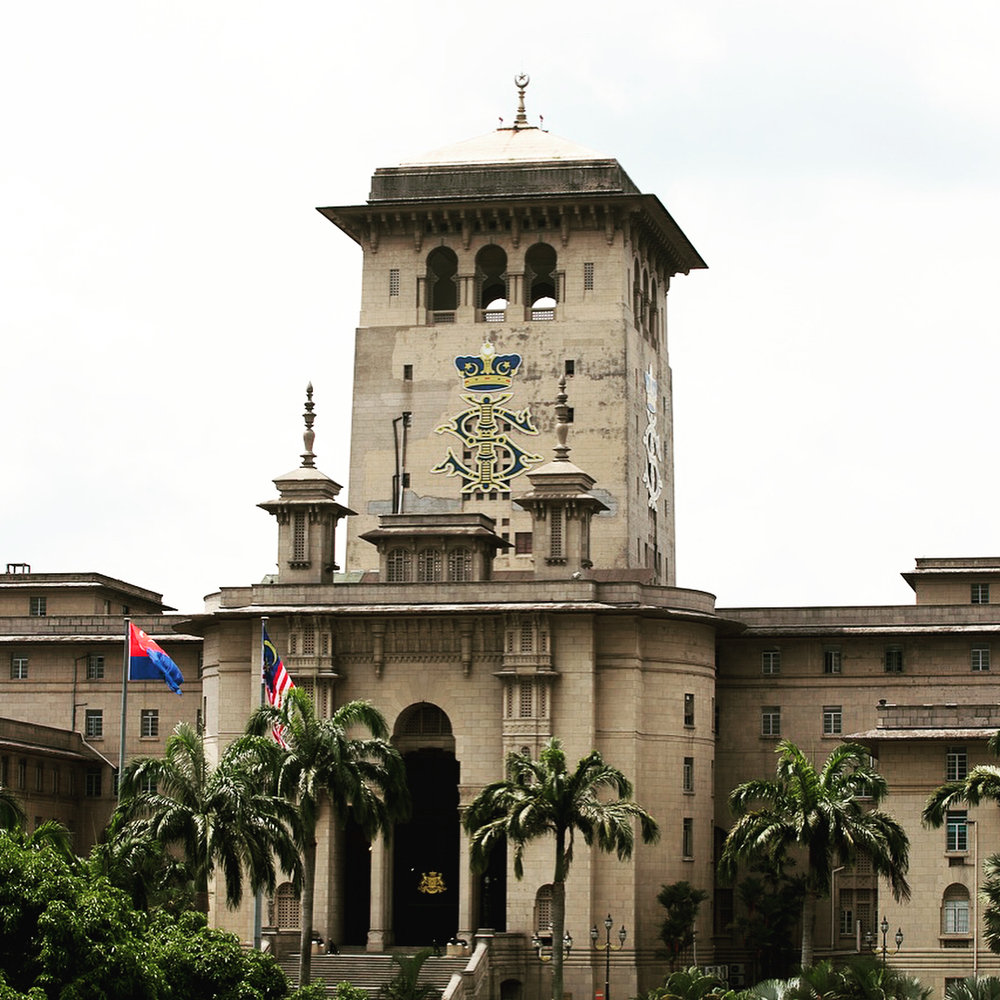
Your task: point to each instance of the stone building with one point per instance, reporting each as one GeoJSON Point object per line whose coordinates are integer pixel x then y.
{"type": "Point", "coordinates": [509, 576]}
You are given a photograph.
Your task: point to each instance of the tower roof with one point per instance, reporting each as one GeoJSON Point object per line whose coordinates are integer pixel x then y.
{"type": "Point", "coordinates": [503, 145]}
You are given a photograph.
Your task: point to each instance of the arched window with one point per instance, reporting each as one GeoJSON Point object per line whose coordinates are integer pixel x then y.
{"type": "Point", "coordinates": [955, 910]}
{"type": "Point", "coordinates": [428, 566]}
{"type": "Point", "coordinates": [636, 294]}
{"type": "Point", "coordinates": [491, 282]}
{"type": "Point", "coordinates": [442, 292]}
{"type": "Point", "coordinates": [460, 565]}
{"type": "Point", "coordinates": [283, 908]}
{"type": "Point", "coordinates": [397, 565]}
{"type": "Point", "coordinates": [540, 280]}
{"type": "Point", "coordinates": [644, 305]}
{"type": "Point", "coordinates": [654, 313]}
{"type": "Point", "coordinates": [543, 911]}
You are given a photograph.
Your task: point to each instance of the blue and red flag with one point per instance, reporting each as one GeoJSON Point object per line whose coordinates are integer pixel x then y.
{"type": "Point", "coordinates": [148, 662]}
{"type": "Point", "coordinates": [277, 682]}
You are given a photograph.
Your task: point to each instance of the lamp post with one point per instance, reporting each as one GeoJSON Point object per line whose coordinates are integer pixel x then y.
{"type": "Point", "coordinates": [539, 945]}
{"type": "Point", "coordinates": [884, 928]}
{"type": "Point", "coordinates": [622, 934]}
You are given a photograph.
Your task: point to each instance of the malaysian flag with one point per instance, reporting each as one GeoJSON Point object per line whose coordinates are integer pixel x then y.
{"type": "Point", "coordinates": [277, 683]}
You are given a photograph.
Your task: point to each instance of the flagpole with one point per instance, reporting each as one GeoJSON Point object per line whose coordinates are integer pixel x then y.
{"type": "Point", "coordinates": [121, 744]}
{"type": "Point", "coordinates": [258, 901]}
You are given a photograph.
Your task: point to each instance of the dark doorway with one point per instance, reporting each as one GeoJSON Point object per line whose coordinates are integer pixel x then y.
{"type": "Point", "coordinates": [493, 890]}
{"type": "Point", "coordinates": [357, 882]}
{"type": "Point", "coordinates": [425, 852]}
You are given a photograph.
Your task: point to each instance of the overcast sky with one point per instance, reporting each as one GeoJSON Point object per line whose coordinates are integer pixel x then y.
{"type": "Point", "coordinates": [167, 287]}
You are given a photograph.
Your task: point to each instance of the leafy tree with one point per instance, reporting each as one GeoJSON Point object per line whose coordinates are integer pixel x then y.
{"type": "Point", "coordinates": [681, 901]}
{"type": "Point", "coordinates": [860, 979]}
{"type": "Point", "coordinates": [132, 859]}
{"type": "Point", "coordinates": [404, 985]}
{"type": "Point", "coordinates": [227, 817]}
{"type": "Point", "coordinates": [542, 798]}
{"type": "Point", "coordinates": [771, 906]}
{"type": "Point", "coordinates": [68, 934]}
{"type": "Point", "coordinates": [343, 991]}
{"type": "Point", "coordinates": [832, 815]}
{"type": "Point", "coordinates": [363, 779]}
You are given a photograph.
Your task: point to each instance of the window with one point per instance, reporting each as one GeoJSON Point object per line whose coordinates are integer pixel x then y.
{"type": "Point", "coordinates": [522, 543]}
{"type": "Point", "coordinates": [407, 373]}
{"type": "Point", "coordinates": [770, 721]}
{"type": "Point", "coordinates": [588, 276]}
{"type": "Point", "coordinates": [39, 778]}
{"type": "Point", "coordinates": [770, 661]}
{"type": "Point", "coordinates": [831, 660]}
{"type": "Point", "coordinates": [543, 910]}
{"type": "Point", "coordinates": [398, 566]}
{"type": "Point", "coordinates": [892, 660]}
{"type": "Point", "coordinates": [149, 722]}
{"type": "Point", "coordinates": [689, 710]}
{"type": "Point", "coordinates": [526, 692]}
{"type": "Point", "coordinates": [92, 783]}
{"type": "Point", "coordinates": [4, 771]}
{"type": "Point", "coordinates": [855, 911]}
{"type": "Point", "coordinates": [393, 281]}
{"type": "Point", "coordinates": [460, 565]}
{"type": "Point", "coordinates": [556, 533]}
{"type": "Point", "coordinates": [980, 593]}
{"type": "Point", "coordinates": [569, 366]}
{"type": "Point", "coordinates": [846, 915]}
{"type": "Point", "coordinates": [980, 659]}
{"type": "Point", "coordinates": [832, 720]}
{"type": "Point", "coordinates": [956, 831]}
{"type": "Point", "coordinates": [286, 909]}
{"type": "Point", "coordinates": [428, 566]}
{"type": "Point", "coordinates": [95, 667]}
{"type": "Point", "coordinates": [955, 910]}
{"type": "Point", "coordinates": [37, 607]}
{"type": "Point", "coordinates": [93, 724]}
{"type": "Point", "coordinates": [442, 291]}
{"type": "Point", "coordinates": [689, 774]}
{"type": "Point", "coordinates": [540, 280]}
{"type": "Point", "coordinates": [148, 785]}
{"type": "Point", "coordinates": [687, 837]}
{"type": "Point", "coordinates": [22, 773]}
{"type": "Point", "coordinates": [18, 668]}
{"type": "Point", "coordinates": [956, 766]}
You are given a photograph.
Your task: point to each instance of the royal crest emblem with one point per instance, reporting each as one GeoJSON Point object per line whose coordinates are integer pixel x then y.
{"type": "Point", "coordinates": [431, 883]}
{"type": "Point", "coordinates": [491, 459]}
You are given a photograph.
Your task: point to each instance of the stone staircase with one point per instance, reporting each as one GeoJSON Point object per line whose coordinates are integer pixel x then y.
{"type": "Point", "coordinates": [371, 971]}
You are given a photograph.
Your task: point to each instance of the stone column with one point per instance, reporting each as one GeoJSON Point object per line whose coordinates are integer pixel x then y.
{"type": "Point", "coordinates": [468, 918]}
{"type": "Point", "coordinates": [380, 920]}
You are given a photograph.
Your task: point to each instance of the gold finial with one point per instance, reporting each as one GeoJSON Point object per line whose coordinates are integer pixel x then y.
{"type": "Point", "coordinates": [521, 81]}
{"type": "Point", "coordinates": [308, 458]}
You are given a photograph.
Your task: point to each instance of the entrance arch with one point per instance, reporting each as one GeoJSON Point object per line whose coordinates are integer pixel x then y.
{"type": "Point", "coordinates": [425, 882]}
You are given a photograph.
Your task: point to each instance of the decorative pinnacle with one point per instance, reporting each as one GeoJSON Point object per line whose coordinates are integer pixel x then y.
{"type": "Point", "coordinates": [562, 423]}
{"type": "Point", "coordinates": [521, 81]}
{"type": "Point", "coordinates": [308, 458]}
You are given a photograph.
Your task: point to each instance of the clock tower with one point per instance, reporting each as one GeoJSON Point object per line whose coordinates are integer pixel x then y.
{"type": "Point", "coordinates": [494, 268]}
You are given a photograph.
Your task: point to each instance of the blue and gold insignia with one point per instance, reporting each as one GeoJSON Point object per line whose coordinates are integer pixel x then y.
{"type": "Point", "coordinates": [485, 427]}
{"type": "Point", "coordinates": [488, 370]}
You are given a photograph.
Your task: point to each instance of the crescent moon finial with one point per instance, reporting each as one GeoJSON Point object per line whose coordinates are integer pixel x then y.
{"type": "Point", "coordinates": [521, 81]}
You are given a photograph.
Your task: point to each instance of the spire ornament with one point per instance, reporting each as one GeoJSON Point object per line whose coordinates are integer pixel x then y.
{"type": "Point", "coordinates": [309, 435]}
{"type": "Point", "coordinates": [562, 423]}
{"type": "Point", "coordinates": [521, 81]}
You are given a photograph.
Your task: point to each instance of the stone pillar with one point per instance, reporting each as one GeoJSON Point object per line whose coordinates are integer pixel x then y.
{"type": "Point", "coordinates": [468, 918]}
{"type": "Point", "coordinates": [380, 920]}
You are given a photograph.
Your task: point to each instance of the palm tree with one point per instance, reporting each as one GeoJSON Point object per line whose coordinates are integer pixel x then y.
{"type": "Point", "coordinates": [362, 779]}
{"type": "Point", "coordinates": [539, 798]}
{"type": "Point", "coordinates": [981, 784]}
{"type": "Point", "coordinates": [12, 814]}
{"type": "Point", "coordinates": [832, 815]}
{"type": "Point", "coordinates": [227, 817]}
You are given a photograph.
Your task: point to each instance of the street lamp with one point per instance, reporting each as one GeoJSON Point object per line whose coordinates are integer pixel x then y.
{"type": "Point", "coordinates": [622, 934]}
{"type": "Point", "coordinates": [884, 928]}
{"type": "Point", "coordinates": [539, 946]}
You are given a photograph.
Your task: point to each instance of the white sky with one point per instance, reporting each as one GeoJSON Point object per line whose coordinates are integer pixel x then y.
{"type": "Point", "coordinates": [167, 289]}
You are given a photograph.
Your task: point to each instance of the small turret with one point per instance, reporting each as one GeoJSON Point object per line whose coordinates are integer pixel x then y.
{"type": "Point", "coordinates": [307, 513]}
{"type": "Point", "coordinates": [561, 506]}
